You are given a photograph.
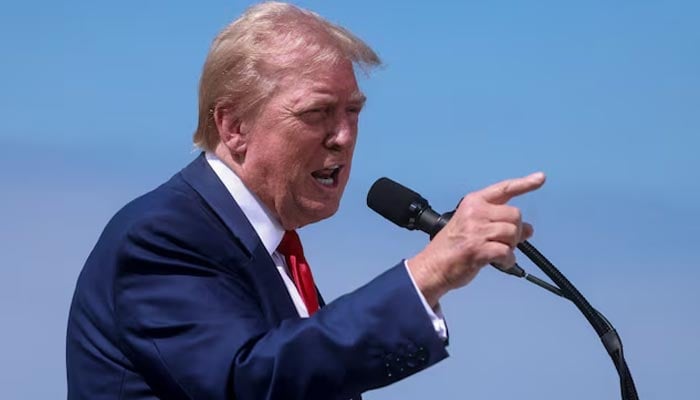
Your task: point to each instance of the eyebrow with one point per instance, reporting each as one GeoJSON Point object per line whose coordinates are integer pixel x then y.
{"type": "Point", "coordinates": [358, 97]}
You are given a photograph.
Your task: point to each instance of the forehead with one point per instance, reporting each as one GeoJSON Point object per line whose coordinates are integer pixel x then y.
{"type": "Point", "coordinates": [335, 80]}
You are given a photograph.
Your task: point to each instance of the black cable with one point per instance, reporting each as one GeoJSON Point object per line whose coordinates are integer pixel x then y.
{"type": "Point", "coordinates": [603, 327]}
{"type": "Point", "coordinates": [555, 290]}
{"type": "Point", "coordinates": [544, 285]}
{"type": "Point", "coordinates": [626, 385]}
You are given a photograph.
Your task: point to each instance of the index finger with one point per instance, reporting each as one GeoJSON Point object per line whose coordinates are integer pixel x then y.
{"type": "Point", "coordinates": [502, 192]}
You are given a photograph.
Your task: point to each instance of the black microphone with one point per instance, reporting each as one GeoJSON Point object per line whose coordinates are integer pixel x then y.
{"type": "Point", "coordinates": [410, 210]}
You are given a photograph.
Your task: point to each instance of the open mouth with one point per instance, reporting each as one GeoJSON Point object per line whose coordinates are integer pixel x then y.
{"type": "Point", "coordinates": [327, 176]}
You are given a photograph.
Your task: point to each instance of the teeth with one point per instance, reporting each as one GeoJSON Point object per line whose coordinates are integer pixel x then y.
{"type": "Point", "coordinates": [327, 177]}
{"type": "Point", "coordinates": [325, 181]}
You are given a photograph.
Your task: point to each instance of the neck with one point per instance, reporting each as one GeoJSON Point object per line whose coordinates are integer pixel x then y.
{"type": "Point", "coordinates": [235, 163]}
{"type": "Point", "coordinates": [224, 154]}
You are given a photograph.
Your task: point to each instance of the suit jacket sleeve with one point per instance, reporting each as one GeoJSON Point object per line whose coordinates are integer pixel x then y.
{"type": "Point", "coordinates": [194, 328]}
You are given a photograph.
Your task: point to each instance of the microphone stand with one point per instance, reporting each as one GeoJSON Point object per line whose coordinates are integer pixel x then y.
{"type": "Point", "coordinates": [607, 333]}
{"type": "Point", "coordinates": [415, 213]}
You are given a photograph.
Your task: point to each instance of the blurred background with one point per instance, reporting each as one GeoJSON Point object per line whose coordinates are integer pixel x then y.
{"type": "Point", "coordinates": [98, 104]}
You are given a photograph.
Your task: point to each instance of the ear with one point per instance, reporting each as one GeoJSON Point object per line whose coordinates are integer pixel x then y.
{"type": "Point", "coordinates": [232, 132]}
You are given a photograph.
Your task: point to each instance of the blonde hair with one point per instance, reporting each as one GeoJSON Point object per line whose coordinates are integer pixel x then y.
{"type": "Point", "coordinates": [249, 56]}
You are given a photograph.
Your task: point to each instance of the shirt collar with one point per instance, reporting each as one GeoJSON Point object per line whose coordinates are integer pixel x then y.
{"type": "Point", "coordinates": [265, 224]}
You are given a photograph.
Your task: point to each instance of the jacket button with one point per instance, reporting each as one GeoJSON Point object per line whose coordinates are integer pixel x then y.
{"type": "Point", "coordinates": [422, 355]}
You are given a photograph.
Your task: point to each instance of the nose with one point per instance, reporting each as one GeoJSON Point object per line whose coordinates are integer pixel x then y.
{"type": "Point", "coordinates": [342, 131]}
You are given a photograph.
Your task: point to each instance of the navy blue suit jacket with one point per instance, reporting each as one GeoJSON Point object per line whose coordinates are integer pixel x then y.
{"type": "Point", "coordinates": [180, 300]}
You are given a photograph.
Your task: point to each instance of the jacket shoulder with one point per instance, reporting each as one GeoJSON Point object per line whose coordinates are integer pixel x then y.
{"type": "Point", "coordinates": [173, 215]}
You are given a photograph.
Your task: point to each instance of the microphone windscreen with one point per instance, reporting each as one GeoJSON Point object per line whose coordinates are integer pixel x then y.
{"type": "Point", "coordinates": [394, 201]}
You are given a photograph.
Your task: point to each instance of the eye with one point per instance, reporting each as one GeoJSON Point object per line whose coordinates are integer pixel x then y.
{"type": "Point", "coordinates": [354, 109]}
{"type": "Point", "coordinates": [314, 115]}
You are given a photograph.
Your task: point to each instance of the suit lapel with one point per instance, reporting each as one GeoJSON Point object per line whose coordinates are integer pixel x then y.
{"type": "Point", "coordinates": [204, 181]}
{"type": "Point", "coordinates": [275, 300]}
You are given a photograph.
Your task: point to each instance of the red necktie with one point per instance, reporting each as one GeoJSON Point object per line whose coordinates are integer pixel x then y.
{"type": "Point", "coordinates": [293, 253]}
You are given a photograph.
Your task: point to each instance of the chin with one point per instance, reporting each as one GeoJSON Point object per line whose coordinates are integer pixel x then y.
{"type": "Point", "coordinates": [327, 212]}
{"type": "Point", "coordinates": [319, 213]}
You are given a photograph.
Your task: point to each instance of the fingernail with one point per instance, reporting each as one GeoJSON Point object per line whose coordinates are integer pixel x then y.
{"type": "Point", "coordinates": [538, 175]}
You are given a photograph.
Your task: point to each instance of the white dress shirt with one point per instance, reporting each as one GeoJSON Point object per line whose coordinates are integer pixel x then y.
{"type": "Point", "coordinates": [270, 232]}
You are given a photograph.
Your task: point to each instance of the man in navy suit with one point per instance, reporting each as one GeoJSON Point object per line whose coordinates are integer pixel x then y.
{"type": "Point", "coordinates": [200, 290]}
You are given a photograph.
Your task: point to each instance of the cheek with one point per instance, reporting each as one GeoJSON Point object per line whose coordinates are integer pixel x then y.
{"type": "Point", "coordinates": [296, 160]}
{"type": "Point", "coordinates": [289, 152]}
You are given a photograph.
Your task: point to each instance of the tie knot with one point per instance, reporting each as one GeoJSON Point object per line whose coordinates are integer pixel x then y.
{"type": "Point", "coordinates": [290, 244]}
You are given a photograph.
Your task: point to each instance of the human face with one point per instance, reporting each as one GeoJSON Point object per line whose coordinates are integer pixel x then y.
{"type": "Point", "coordinates": [300, 144]}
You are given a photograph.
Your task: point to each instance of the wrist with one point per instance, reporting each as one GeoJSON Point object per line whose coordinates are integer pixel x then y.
{"type": "Point", "coordinates": [431, 285]}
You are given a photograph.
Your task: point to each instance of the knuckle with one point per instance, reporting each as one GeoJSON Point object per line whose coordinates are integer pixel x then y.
{"type": "Point", "coordinates": [468, 198]}
{"type": "Point", "coordinates": [517, 214]}
{"type": "Point", "coordinates": [470, 211]}
{"type": "Point", "coordinates": [500, 251]}
{"type": "Point", "coordinates": [505, 253]}
{"type": "Point", "coordinates": [508, 262]}
{"type": "Point", "coordinates": [505, 188]}
{"type": "Point", "coordinates": [471, 208]}
{"type": "Point", "coordinates": [513, 214]}
{"type": "Point", "coordinates": [513, 230]}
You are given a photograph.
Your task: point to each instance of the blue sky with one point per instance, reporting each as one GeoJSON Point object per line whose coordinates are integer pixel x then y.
{"type": "Point", "coordinates": [98, 104]}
